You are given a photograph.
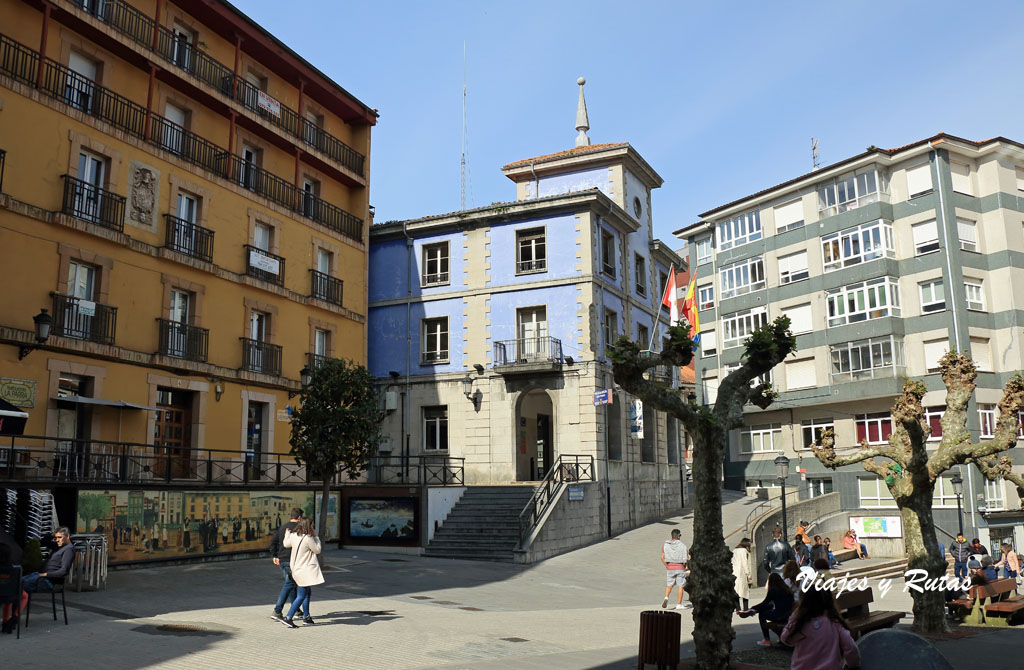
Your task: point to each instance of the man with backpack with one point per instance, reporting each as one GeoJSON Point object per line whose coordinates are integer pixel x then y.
{"type": "Point", "coordinates": [674, 556]}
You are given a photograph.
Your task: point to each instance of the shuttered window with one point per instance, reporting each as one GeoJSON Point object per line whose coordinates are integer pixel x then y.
{"type": "Point", "coordinates": [800, 374]}
{"type": "Point", "coordinates": [919, 180]}
{"type": "Point", "coordinates": [926, 237]}
{"type": "Point", "coordinates": [961, 177]}
{"type": "Point", "coordinates": [789, 216]}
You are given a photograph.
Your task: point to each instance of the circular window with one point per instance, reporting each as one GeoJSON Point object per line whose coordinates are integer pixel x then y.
{"type": "Point", "coordinates": [637, 207]}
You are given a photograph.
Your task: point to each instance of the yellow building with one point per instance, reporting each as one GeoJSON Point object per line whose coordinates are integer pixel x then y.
{"type": "Point", "coordinates": [187, 198]}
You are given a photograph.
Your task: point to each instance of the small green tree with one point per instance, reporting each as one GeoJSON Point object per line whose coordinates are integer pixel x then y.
{"type": "Point", "coordinates": [92, 506]}
{"type": "Point", "coordinates": [337, 424]}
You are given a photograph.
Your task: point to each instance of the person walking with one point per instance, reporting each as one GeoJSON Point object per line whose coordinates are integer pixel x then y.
{"type": "Point", "coordinates": [960, 551]}
{"type": "Point", "coordinates": [305, 567]}
{"type": "Point", "coordinates": [282, 559]}
{"type": "Point", "coordinates": [674, 557]}
{"type": "Point", "coordinates": [775, 608]}
{"type": "Point", "coordinates": [741, 572]}
{"type": "Point", "coordinates": [777, 553]}
{"type": "Point", "coordinates": [1010, 562]}
{"type": "Point", "coordinates": [819, 635]}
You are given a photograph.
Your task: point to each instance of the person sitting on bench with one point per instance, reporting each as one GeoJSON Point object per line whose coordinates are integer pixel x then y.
{"type": "Point", "coordinates": [850, 542]}
{"type": "Point", "coordinates": [775, 608]}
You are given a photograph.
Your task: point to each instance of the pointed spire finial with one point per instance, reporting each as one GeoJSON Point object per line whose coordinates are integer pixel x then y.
{"type": "Point", "coordinates": [582, 123]}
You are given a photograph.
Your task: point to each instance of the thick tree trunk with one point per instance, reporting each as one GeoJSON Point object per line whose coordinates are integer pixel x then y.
{"type": "Point", "coordinates": [711, 583]}
{"type": "Point", "coordinates": [923, 554]}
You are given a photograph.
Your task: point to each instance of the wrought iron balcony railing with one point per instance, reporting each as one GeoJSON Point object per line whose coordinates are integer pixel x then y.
{"type": "Point", "coordinates": [314, 361]}
{"type": "Point", "coordinates": [189, 238]}
{"type": "Point", "coordinates": [188, 146]}
{"type": "Point", "coordinates": [525, 267]}
{"type": "Point", "coordinates": [528, 350]}
{"type": "Point", "coordinates": [121, 16]}
{"type": "Point", "coordinates": [83, 319]}
{"type": "Point", "coordinates": [182, 340]}
{"type": "Point", "coordinates": [325, 287]}
{"type": "Point", "coordinates": [264, 265]}
{"type": "Point", "coordinates": [91, 203]}
{"type": "Point", "coordinates": [260, 356]}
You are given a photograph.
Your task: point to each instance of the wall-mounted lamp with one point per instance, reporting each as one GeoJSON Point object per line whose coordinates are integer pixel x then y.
{"type": "Point", "coordinates": [479, 368]}
{"type": "Point", "coordinates": [305, 377]}
{"type": "Point", "coordinates": [218, 390]}
{"type": "Point", "coordinates": [569, 360]}
{"type": "Point", "coordinates": [692, 397]}
{"type": "Point", "coordinates": [394, 374]}
{"type": "Point", "coordinates": [43, 322]}
{"type": "Point", "coordinates": [467, 390]}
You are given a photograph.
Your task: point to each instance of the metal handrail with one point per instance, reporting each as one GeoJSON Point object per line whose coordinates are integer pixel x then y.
{"type": "Point", "coordinates": [189, 238]}
{"type": "Point", "coordinates": [86, 201]}
{"type": "Point", "coordinates": [423, 470]}
{"type": "Point", "coordinates": [258, 356]}
{"type": "Point", "coordinates": [325, 287]}
{"type": "Point", "coordinates": [566, 468]}
{"type": "Point", "coordinates": [258, 272]}
{"type": "Point", "coordinates": [528, 350]}
{"type": "Point", "coordinates": [83, 319]}
{"type": "Point", "coordinates": [183, 340]}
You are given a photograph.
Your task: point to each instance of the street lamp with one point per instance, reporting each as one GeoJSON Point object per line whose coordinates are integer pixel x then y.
{"type": "Point", "coordinates": [43, 322]}
{"type": "Point", "coordinates": [467, 390]}
{"type": "Point", "coordinates": [958, 489]}
{"type": "Point", "coordinates": [782, 471]}
{"type": "Point", "coordinates": [305, 377]}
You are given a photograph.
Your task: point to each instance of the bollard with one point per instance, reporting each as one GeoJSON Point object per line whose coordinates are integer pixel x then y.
{"type": "Point", "coordinates": [660, 634]}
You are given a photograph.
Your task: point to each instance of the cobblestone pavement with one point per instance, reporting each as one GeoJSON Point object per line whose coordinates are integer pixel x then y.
{"type": "Point", "coordinates": [378, 610]}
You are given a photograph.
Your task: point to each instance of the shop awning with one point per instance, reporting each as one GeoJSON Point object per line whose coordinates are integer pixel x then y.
{"type": "Point", "coordinates": [85, 400]}
{"type": "Point", "coordinates": [12, 419]}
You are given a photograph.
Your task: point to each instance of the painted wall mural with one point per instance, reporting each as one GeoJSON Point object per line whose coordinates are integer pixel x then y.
{"type": "Point", "coordinates": [383, 519]}
{"type": "Point", "coordinates": [151, 524]}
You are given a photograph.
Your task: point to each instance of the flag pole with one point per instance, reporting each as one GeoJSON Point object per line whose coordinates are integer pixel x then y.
{"type": "Point", "coordinates": [657, 316]}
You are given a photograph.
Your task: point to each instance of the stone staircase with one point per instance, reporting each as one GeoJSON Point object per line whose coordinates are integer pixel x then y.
{"type": "Point", "coordinates": [483, 525]}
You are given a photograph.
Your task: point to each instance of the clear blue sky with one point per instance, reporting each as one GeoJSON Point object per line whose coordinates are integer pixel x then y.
{"type": "Point", "coordinates": [720, 98]}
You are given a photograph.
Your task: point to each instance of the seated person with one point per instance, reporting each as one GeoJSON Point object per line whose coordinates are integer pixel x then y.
{"type": "Point", "coordinates": [850, 542]}
{"type": "Point", "coordinates": [775, 608]}
{"type": "Point", "coordinates": [991, 574]}
{"type": "Point", "coordinates": [832, 562]}
{"type": "Point", "coordinates": [58, 565]}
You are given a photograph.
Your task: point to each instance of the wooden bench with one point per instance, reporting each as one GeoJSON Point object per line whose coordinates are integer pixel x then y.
{"type": "Point", "coordinates": [1003, 604]}
{"type": "Point", "coordinates": [854, 607]}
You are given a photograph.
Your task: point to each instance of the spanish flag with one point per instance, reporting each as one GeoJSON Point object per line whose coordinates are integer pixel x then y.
{"type": "Point", "coordinates": [690, 309]}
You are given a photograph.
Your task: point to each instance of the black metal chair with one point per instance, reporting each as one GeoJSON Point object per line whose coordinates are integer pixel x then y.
{"type": "Point", "coordinates": [58, 587]}
{"type": "Point", "coordinates": [10, 592]}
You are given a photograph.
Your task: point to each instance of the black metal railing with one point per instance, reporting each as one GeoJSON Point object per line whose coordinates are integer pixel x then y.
{"type": "Point", "coordinates": [314, 361]}
{"type": "Point", "coordinates": [323, 141]}
{"type": "Point", "coordinates": [3, 160]}
{"type": "Point", "coordinates": [531, 266]}
{"type": "Point", "coordinates": [266, 107]}
{"type": "Point", "coordinates": [260, 356]}
{"type": "Point", "coordinates": [428, 357]}
{"type": "Point", "coordinates": [325, 287]}
{"type": "Point", "coordinates": [334, 217]}
{"type": "Point", "coordinates": [267, 184]}
{"type": "Point", "coordinates": [182, 340]}
{"type": "Point", "coordinates": [435, 278]}
{"type": "Point", "coordinates": [91, 203]}
{"type": "Point", "coordinates": [189, 238]}
{"type": "Point", "coordinates": [188, 146]}
{"type": "Point", "coordinates": [264, 265]}
{"type": "Point", "coordinates": [88, 97]}
{"type": "Point", "coordinates": [83, 319]}
{"type": "Point", "coordinates": [179, 52]}
{"type": "Point", "coordinates": [423, 470]}
{"type": "Point", "coordinates": [567, 468]}
{"type": "Point", "coordinates": [18, 61]}
{"type": "Point", "coordinates": [528, 350]}
{"type": "Point", "coordinates": [121, 16]}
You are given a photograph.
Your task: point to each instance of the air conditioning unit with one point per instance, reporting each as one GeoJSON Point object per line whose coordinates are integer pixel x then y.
{"type": "Point", "coordinates": [384, 446]}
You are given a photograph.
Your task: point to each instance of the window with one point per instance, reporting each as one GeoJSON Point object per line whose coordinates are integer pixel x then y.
{"type": "Point", "coordinates": [975, 297]}
{"type": "Point", "coordinates": [800, 374]}
{"type": "Point", "coordinates": [919, 180]}
{"type": "Point", "coordinates": [662, 283]}
{"type": "Point", "coordinates": [531, 251]}
{"type": "Point", "coordinates": [738, 326]}
{"type": "Point", "coordinates": [800, 320]}
{"type": "Point", "coordinates": [819, 486]}
{"type": "Point", "coordinates": [793, 268]}
{"type": "Point", "coordinates": [961, 173]}
{"type": "Point", "coordinates": [761, 439]}
{"type": "Point", "coordinates": [607, 253]}
{"type": "Point", "coordinates": [80, 85]}
{"type": "Point", "coordinates": [182, 47]}
{"type": "Point", "coordinates": [863, 301]}
{"type": "Point", "coordinates": [1020, 178]}
{"type": "Point", "coordinates": [324, 260]}
{"type": "Point", "coordinates": [987, 420]}
{"type": "Point", "coordinates": [981, 354]}
{"type": "Point", "coordinates": [247, 170]}
{"type": "Point", "coordinates": [320, 342]}
{"type": "Point", "coordinates": [643, 335]}
{"type": "Point", "coordinates": [933, 297]}
{"type": "Point", "coordinates": [874, 493]}
{"type": "Point", "coordinates": [934, 350]}
{"type": "Point", "coordinates": [703, 250]}
{"type": "Point", "coordinates": [640, 274]}
{"type": "Point", "coordinates": [708, 344]}
{"type": "Point", "coordinates": [766, 378]}
{"type": "Point", "coordinates": [311, 198]}
{"type": "Point", "coordinates": [174, 128]}
{"type": "Point", "coordinates": [994, 495]}
{"type": "Point", "coordinates": [739, 230]}
{"type": "Point", "coordinates": [672, 439]}
{"type": "Point", "coordinates": [435, 264]}
{"type": "Point", "coordinates": [435, 340]}
{"type": "Point", "coordinates": [848, 192]}
{"type": "Point", "coordinates": [926, 237]}
{"type": "Point", "coordinates": [81, 280]}
{"type": "Point", "coordinates": [611, 327]}
{"type": "Point", "coordinates": [933, 417]}
{"type": "Point", "coordinates": [858, 244]}
{"type": "Point", "coordinates": [866, 359]}
{"type": "Point", "coordinates": [710, 390]}
{"type": "Point", "coordinates": [435, 428]}
{"type": "Point", "coordinates": [873, 428]}
{"type": "Point", "coordinates": [967, 230]}
{"type": "Point", "coordinates": [648, 446]}
{"type": "Point", "coordinates": [742, 277]}
{"type": "Point", "coordinates": [613, 415]}
{"type": "Point", "coordinates": [813, 428]}
{"type": "Point", "coordinates": [92, 178]}
{"type": "Point", "coordinates": [789, 216]}
{"type": "Point", "coordinates": [706, 296]}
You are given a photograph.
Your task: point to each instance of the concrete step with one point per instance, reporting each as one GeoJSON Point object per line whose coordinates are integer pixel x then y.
{"type": "Point", "coordinates": [496, 556]}
{"type": "Point", "coordinates": [448, 531]}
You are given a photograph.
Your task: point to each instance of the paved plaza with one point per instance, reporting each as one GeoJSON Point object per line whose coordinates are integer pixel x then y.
{"type": "Point", "coordinates": [578, 610]}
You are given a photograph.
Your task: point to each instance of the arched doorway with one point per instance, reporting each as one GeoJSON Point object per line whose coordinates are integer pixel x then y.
{"type": "Point", "coordinates": [534, 441]}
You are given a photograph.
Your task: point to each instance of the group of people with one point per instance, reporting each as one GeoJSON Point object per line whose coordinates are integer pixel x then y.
{"type": "Point", "coordinates": [295, 547]}
{"type": "Point", "coordinates": [54, 572]}
{"type": "Point", "coordinates": [972, 558]}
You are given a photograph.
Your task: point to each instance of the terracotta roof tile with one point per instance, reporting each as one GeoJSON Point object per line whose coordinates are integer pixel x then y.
{"type": "Point", "coordinates": [575, 151]}
{"type": "Point", "coordinates": [686, 375]}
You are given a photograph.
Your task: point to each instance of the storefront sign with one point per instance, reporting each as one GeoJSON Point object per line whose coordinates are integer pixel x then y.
{"type": "Point", "coordinates": [603, 397]}
{"type": "Point", "coordinates": [18, 392]}
{"type": "Point", "coordinates": [265, 263]}
{"type": "Point", "coordinates": [268, 104]}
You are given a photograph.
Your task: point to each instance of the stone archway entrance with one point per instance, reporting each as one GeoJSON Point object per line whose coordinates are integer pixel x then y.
{"type": "Point", "coordinates": [534, 439]}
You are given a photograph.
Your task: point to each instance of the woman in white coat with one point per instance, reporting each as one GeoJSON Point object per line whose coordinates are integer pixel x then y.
{"type": "Point", "coordinates": [741, 571]}
{"type": "Point", "coordinates": [305, 568]}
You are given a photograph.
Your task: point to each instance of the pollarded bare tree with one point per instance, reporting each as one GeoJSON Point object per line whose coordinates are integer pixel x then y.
{"type": "Point", "coordinates": [710, 587]}
{"type": "Point", "coordinates": [910, 471]}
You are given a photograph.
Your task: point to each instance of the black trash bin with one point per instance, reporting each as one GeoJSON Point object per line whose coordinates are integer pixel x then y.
{"type": "Point", "coordinates": [660, 635]}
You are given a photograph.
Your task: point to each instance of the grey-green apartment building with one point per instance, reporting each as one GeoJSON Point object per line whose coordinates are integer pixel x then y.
{"type": "Point", "coordinates": [883, 262]}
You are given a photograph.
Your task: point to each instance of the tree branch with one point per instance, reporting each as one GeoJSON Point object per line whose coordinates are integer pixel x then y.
{"type": "Point", "coordinates": [1002, 468]}
{"type": "Point", "coordinates": [824, 450]}
{"type": "Point", "coordinates": [766, 347]}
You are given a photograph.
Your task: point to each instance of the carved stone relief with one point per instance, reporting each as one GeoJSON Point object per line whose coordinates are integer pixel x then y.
{"type": "Point", "coordinates": [145, 189]}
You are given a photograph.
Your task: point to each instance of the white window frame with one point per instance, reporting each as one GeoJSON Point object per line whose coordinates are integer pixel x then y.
{"type": "Point", "coordinates": [974, 292]}
{"type": "Point", "coordinates": [863, 301]}
{"type": "Point", "coordinates": [979, 342]}
{"type": "Point", "coordinates": [925, 245]}
{"type": "Point", "coordinates": [534, 240]}
{"type": "Point", "coordinates": [705, 296]}
{"type": "Point", "coordinates": [749, 271]}
{"type": "Point", "coordinates": [967, 231]}
{"type": "Point", "coordinates": [703, 250]}
{"type": "Point", "coordinates": [438, 416]}
{"type": "Point", "coordinates": [929, 302]}
{"type": "Point", "coordinates": [986, 420]}
{"type": "Point", "coordinates": [766, 378]}
{"type": "Point", "coordinates": [936, 413]}
{"type": "Point", "coordinates": [961, 178]}
{"type": "Point", "coordinates": [881, 498]}
{"type": "Point", "coordinates": [812, 428]}
{"type": "Point", "coordinates": [608, 253]}
{"type": "Point", "coordinates": [995, 498]}
{"type": "Point", "coordinates": [708, 337]}
{"type": "Point", "coordinates": [795, 311]}
{"type": "Point", "coordinates": [791, 269]}
{"type": "Point", "coordinates": [928, 346]}
{"type": "Point", "coordinates": [738, 326]}
{"type": "Point", "coordinates": [437, 255]}
{"type": "Point", "coordinates": [848, 191]}
{"type": "Point", "coordinates": [876, 419]}
{"type": "Point", "coordinates": [916, 169]}
{"type": "Point", "coordinates": [788, 209]}
{"type": "Point", "coordinates": [434, 328]}
{"type": "Point", "coordinates": [883, 356]}
{"type": "Point", "coordinates": [610, 327]}
{"type": "Point", "coordinates": [856, 245]}
{"type": "Point", "coordinates": [739, 230]}
{"type": "Point", "coordinates": [761, 439]}
{"type": "Point", "coordinates": [790, 365]}
{"type": "Point", "coordinates": [640, 275]}
{"type": "Point", "coordinates": [943, 495]}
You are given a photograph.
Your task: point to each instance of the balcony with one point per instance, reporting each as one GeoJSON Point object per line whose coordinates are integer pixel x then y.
{"type": "Point", "coordinates": [189, 238]}
{"type": "Point", "coordinates": [325, 287]}
{"type": "Point", "coordinates": [83, 319]}
{"type": "Point", "coordinates": [90, 203]}
{"type": "Point", "coordinates": [181, 340]}
{"type": "Point", "coordinates": [260, 356]}
{"type": "Point", "coordinates": [529, 267]}
{"type": "Point", "coordinates": [527, 355]}
{"type": "Point", "coordinates": [332, 216]}
{"type": "Point", "coordinates": [188, 146]}
{"type": "Point", "coordinates": [264, 265]}
{"type": "Point", "coordinates": [314, 361]}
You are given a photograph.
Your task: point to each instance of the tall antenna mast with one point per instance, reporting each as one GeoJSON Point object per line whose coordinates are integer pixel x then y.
{"type": "Point", "coordinates": [462, 202]}
{"type": "Point", "coordinates": [815, 162]}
